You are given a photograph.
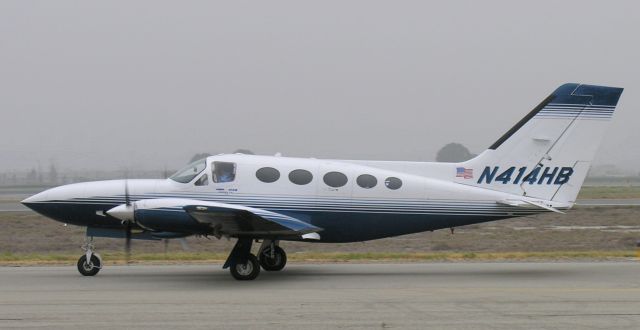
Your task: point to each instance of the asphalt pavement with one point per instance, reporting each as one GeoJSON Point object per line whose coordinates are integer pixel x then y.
{"type": "Point", "coordinates": [327, 296]}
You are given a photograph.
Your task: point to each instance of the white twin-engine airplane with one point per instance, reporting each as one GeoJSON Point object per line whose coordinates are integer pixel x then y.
{"type": "Point", "coordinates": [538, 166]}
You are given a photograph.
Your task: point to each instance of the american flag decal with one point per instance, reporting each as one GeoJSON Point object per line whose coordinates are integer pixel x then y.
{"type": "Point", "coordinates": [466, 173]}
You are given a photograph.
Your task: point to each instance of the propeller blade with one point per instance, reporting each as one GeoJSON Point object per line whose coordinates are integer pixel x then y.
{"type": "Point", "coordinates": [184, 244]}
{"type": "Point", "coordinates": [127, 199]}
{"type": "Point", "coordinates": [127, 244]}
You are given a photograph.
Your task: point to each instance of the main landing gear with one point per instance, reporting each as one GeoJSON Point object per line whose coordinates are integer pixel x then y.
{"type": "Point", "coordinates": [90, 263]}
{"type": "Point", "coordinates": [272, 257]}
{"type": "Point", "coordinates": [245, 266]}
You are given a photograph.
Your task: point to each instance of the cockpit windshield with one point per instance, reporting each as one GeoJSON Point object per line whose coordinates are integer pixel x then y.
{"type": "Point", "coordinates": [189, 172]}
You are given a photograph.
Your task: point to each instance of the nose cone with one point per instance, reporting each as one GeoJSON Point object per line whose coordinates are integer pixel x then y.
{"type": "Point", "coordinates": [40, 203]}
{"type": "Point", "coordinates": [56, 203]}
{"type": "Point", "coordinates": [40, 197]}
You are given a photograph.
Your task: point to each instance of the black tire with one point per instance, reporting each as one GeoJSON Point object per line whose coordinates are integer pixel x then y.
{"type": "Point", "coordinates": [247, 271]}
{"type": "Point", "coordinates": [89, 269]}
{"type": "Point", "coordinates": [273, 264]}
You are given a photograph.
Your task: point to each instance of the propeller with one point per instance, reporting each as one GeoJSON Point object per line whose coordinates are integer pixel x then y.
{"type": "Point", "coordinates": [126, 213]}
{"type": "Point", "coordinates": [127, 203]}
{"type": "Point", "coordinates": [127, 243]}
{"type": "Point", "coordinates": [127, 199]}
{"type": "Point", "coordinates": [166, 246]}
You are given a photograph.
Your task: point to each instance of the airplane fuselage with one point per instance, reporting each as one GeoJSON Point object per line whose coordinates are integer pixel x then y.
{"type": "Point", "coordinates": [351, 202]}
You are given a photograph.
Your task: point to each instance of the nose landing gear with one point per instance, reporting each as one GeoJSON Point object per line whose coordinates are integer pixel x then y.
{"type": "Point", "coordinates": [90, 263]}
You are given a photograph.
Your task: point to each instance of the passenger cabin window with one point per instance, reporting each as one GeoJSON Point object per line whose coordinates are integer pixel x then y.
{"type": "Point", "coordinates": [223, 172]}
{"type": "Point", "coordinates": [300, 177]}
{"type": "Point", "coordinates": [203, 181]}
{"type": "Point", "coordinates": [393, 183]}
{"type": "Point", "coordinates": [268, 174]}
{"type": "Point", "coordinates": [335, 179]}
{"type": "Point", "coordinates": [367, 181]}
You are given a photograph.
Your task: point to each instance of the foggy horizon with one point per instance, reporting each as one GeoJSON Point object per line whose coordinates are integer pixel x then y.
{"type": "Point", "coordinates": [146, 84]}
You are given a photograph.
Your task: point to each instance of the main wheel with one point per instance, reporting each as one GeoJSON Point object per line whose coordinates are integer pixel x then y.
{"type": "Point", "coordinates": [274, 263]}
{"type": "Point", "coordinates": [247, 271]}
{"type": "Point", "coordinates": [90, 268]}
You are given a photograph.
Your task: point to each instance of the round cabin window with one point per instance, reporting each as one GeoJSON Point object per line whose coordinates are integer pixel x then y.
{"type": "Point", "coordinates": [367, 181]}
{"type": "Point", "coordinates": [300, 177]}
{"type": "Point", "coordinates": [335, 179]}
{"type": "Point", "coordinates": [393, 183]}
{"type": "Point", "coordinates": [268, 174]}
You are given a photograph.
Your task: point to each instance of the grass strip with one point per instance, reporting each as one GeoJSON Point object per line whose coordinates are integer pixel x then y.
{"type": "Point", "coordinates": [609, 192]}
{"type": "Point", "coordinates": [111, 258]}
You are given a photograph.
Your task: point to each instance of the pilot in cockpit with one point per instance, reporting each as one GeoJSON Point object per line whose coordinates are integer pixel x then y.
{"type": "Point", "coordinates": [224, 172]}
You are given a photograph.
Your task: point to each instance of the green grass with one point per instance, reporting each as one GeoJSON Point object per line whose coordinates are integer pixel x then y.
{"type": "Point", "coordinates": [617, 192]}
{"type": "Point", "coordinates": [17, 259]}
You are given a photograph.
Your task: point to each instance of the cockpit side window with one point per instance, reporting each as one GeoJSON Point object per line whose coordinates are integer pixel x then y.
{"type": "Point", "coordinates": [189, 172]}
{"type": "Point", "coordinates": [203, 181]}
{"type": "Point", "coordinates": [223, 172]}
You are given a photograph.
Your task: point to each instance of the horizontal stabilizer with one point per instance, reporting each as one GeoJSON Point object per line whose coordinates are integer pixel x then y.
{"type": "Point", "coordinates": [536, 203]}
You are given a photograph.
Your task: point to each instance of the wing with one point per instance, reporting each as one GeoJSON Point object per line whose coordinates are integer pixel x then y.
{"type": "Point", "coordinates": [178, 215]}
{"type": "Point", "coordinates": [239, 220]}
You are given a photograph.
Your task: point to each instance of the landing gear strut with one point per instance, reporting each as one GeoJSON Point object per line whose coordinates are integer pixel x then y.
{"type": "Point", "coordinates": [272, 257]}
{"type": "Point", "coordinates": [90, 263]}
{"type": "Point", "coordinates": [244, 266]}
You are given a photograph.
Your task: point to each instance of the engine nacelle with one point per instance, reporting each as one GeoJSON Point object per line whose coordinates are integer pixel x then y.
{"type": "Point", "coordinates": [159, 215]}
{"type": "Point", "coordinates": [172, 220]}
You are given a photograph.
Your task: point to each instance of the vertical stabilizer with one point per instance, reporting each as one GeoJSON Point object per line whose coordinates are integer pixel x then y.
{"type": "Point", "coordinates": [547, 154]}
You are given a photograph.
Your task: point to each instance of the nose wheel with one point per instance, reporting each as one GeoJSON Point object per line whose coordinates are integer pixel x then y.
{"type": "Point", "coordinates": [90, 268]}
{"type": "Point", "coordinates": [90, 263]}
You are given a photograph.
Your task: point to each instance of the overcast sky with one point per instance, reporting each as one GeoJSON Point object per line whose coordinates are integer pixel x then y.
{"type": "Point", "coordinates": [147, 84]}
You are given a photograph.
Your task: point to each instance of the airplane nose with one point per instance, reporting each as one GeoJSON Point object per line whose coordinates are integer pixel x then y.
{"type": "Point", "coordinates": [39, 203]}
{"type": "Point", "coordinates": [47, 200]}
{"type": "Point", "coordinates": [40, 197]}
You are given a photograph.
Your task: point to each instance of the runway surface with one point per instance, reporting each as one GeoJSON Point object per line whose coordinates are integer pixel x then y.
{"type": "Point", "coordinates": [452, 295]}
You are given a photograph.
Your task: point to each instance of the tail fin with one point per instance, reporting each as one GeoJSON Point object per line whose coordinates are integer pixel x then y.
{"type": "Point", "coordinates": [547, 154]}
